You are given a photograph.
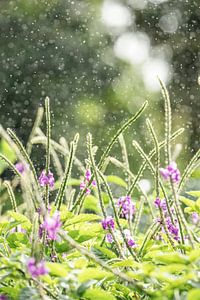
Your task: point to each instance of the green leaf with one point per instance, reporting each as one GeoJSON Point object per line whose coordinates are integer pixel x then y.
{"type": "Point", "coordinates": [62, 247]}
{"type": "Point", "coordinates": [98, 294]}
{"type": "Point", "coordinates": [194, 294]}
{"type": "Point", "coordinates": [103, 253]}
{"type": "Point", "coordinates": [196, 173]}
{"type": "Point", "coordinates": [21, 219]}
{"type": "Point", "coordinates": [16, 239]}
{"type": "Point", "coordinates": [167, 258]}
{"type": "Point", "coordinates": [117, 180]}
{"type": "Point", "coordinates": [91, 203]}
{"type": "Point", "coordinates": [57, 269]}
{"type": "Point", "coordinates": [194, 193]}
{"type": "Point", "coordinates": [6, 150]}
{"type": "Point", "coordinates": [126, 263]}
{"type": "Point", "coordinates": [93, 273]}
{"type": "Point", "coordinates": [81, 218]}
{"type": "Point", "coordinates": [187, 201]}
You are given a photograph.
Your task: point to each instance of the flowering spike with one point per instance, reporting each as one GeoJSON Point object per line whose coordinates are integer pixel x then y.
{"type": "Point", "coordinates": [52, 225]}
{"type": "Point", "coordinates": [108, 223]}
{"type": "Point", "coordinates": [46, 179]}
{"type": "Point", "coordinates": [36, 269]}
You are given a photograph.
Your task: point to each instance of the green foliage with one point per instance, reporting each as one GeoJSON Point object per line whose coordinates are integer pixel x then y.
{"type": "Point", "coordinates": [81, 261]}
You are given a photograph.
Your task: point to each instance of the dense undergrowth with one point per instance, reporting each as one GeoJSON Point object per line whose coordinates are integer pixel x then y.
{"type": "Point", "coordinates": [98, 236]}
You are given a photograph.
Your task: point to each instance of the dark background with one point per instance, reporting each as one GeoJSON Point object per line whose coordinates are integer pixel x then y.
{"type": "Point", "coordinates": [64, 50]}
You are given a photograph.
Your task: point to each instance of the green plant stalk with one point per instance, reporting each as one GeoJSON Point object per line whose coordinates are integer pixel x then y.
{"type": "Point", "coordinates": [144, 164]}
{"type": "Point", "coordinates": [168, 122]}
{"type": "Point", "coordinates": [166, 229]}
{"type": "Point", "coordinates": [189, 169]}
{"type": "Point", "coordinates": [155, 140]}
{"type": "Point", "coordinates": [168, 159]}
{"type": "Point", "coordinates": [71, 198]}
{"type": "Point", "coordinates": [124, 156]}
{"type": "Point", "coordinates": [138, 216]}
{"type": "Point", "coordinates": [149, 234]}
{"type": "Point", "coordinates": [147, 160]}
{"type": "Point", "coordinates": [41, 139]}
{"type": "Point", "coordinates": [91, 157]}
{"type": "Point", "coordinates": [119, 164]}
{"type": "Point", "coordinates": [24, 154]}
{"type": "Point", "coordinates": [108, 149]}
{"type": "Point", "coordinates": [16, 172]}
{"type": "Point", "coordinates": [121, 130]}
{"type": "Point", "coordinates": [48, 153]}
{"type": "Point", "coordinates": [67, 173]}
{"type": "Point", "coordinates": [10, 164]}
{"type": "Point", "coordinates": [36, 124]}
{"type": "Point", "coordinates": [121, 275]}
{"type": "Point", "coordinates": [181, 215]}
{"type": "Point", "coordinates": [116, 214]}
{"type": "Point", "coordinates": [55, 158]}
{"type": "Point", "coordinates": [11, 195]}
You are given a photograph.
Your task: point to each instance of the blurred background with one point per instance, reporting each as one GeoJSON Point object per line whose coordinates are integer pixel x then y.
{"type": "Point", "coordinates": [98, 61]}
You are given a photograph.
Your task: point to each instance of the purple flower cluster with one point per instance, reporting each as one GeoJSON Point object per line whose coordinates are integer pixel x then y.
{"type": "Point", "coordinates": [173, 228]}
{"type": "Point", "coordinates": [109, 238]}
{"type": "Point", "coordinates": [172, 172]}
{"type": "Point", "coordinates": [126, 206]}
{"type": "Point", "coordinates": [195, 218]}
{"type": "Point", "coordinates": [160, 204]}
{"type": "Point", "coordinates": [46, 179]}
{"type": "Point", "coordinates": [36, 268]}
{"type": "Point", "coordinates": [87, 178]}
{"type": "Point", "coordinates": [108, 223]}
{"type": "Point", "coordinates": [51, 225]}
{"type": "Point", "coordinates": [21, 168]}
{"type": "Point", "coordinates": [3, 297]}
{"type": "Point", "coordinates": [129, 239]}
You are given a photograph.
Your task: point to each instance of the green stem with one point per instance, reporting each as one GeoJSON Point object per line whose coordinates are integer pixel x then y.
{"type": "Point", "coordinates": [37, 123]}
{"type": "Point", "coordinates": [144, 164]}
{"type": "Point", "coordinates": [116, 214]}
{"type": "Point", "coordinates": [11, 195]}
{"type": "Point", "coordinates": [24, 154]}
{"type": "Point", "coordinates": [90, 154]}
{"type": "Point", "coordinates": [67, 173]}
{"type": "Point", "coordinates": [48, 156]}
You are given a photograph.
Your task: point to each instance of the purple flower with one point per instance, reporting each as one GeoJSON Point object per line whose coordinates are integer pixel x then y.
{"type": "Point", "coordinates": [173, 229]}
{"type": "Point", "coordinates": [36, 268]}
{"type": "Point", "coordinates": [3, 297]}
{"type": "Point", "coordinates": [88, 175]}
{"type": "Point", "coordinates": [87, 178]}
{"type": "Point", "coordinates": [46, 179]}
{"type": "Point", "coordinates": [157, 202]}
{"type": "Point", "coordinates": [130, 240]}
{"type": "Point", "coordinates": [82, 186]}
{"type": "Point", "coordinates": [88, 191]}
{"type": "Point", "coordinates": [195, 218]}
{"type": "Point", "coordinates": [94, 184]}
{"type": "Point", "coordinates": [109, 238]}
{"type": "Point", "coordinates": [165, 173]}
{"type": "Point", "coordinates": [21, 168]}
{"type": "Point", "coordinates": [131, 243]}
{"type": "Point", "coordinates": [127, 208]}
{"type": "Point", "coordinates": [161, 204]}
{"type": "Point", "coordinates": [108, 223]}
{"type": "Point", "coordinates": [52, 225]}
{"type": "Point", "coordinates": [171, 171]}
